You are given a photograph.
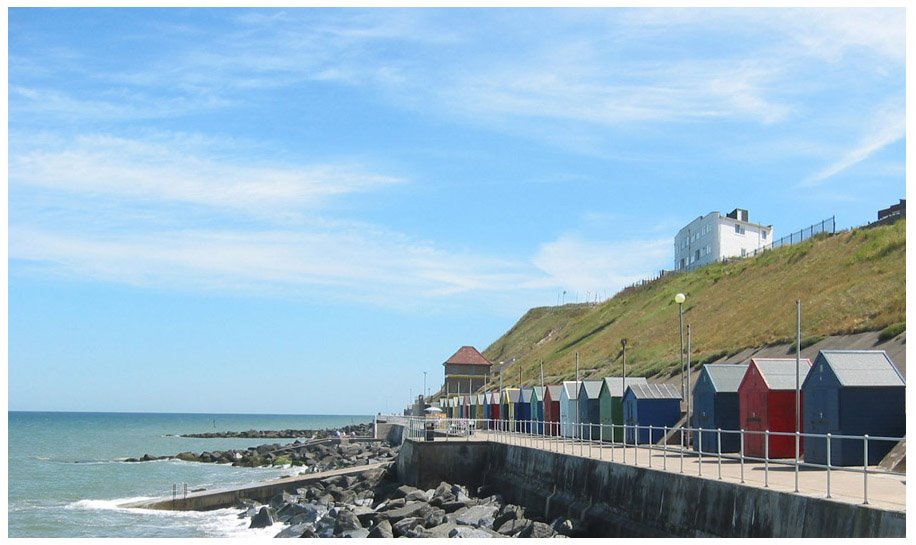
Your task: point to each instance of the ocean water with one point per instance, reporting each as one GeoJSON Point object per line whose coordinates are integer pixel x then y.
{"type": "Point", "coordinates": [66, 479]}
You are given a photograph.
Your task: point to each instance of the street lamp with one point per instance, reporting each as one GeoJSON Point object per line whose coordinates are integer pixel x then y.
{"type": "Point", "coordinates": [623, 343]}
{"type": "Point", "coordinates": [679, 299]}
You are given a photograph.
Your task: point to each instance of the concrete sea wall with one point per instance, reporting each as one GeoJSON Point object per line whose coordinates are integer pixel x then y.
{"type": "Point", "coordinates": [615, 500]}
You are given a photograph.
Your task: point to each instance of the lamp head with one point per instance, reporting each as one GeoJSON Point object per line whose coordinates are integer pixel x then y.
{"type": "Point", "coordinates": [680, 298]}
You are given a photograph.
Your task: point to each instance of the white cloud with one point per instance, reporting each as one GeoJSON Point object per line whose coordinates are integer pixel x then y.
{"type": "Point", "coordinates": [573, 263]}
{"type": "Point", "coordinates": [165, 170]}
{"type": "Point", "coordinates": [884, 128]}
{"type": "Point", "coordinates": [365, 266]}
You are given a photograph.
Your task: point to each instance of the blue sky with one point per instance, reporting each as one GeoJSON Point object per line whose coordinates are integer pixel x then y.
{"type": "Point", "coordinates": [302, 210]}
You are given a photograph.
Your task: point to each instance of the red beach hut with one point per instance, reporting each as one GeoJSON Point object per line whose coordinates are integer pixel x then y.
{"type": "Point", "coordinates": [494, 409]}
{"type": "Point", "coordinates": [552, 409]}
{"type": "Point", "coordinates": [766, 401]}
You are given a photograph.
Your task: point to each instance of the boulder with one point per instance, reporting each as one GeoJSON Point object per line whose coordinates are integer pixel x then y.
{"type": "Point", "coordinates": [508, 512]}
{"type": "Point", "coordinates": [512, 527]}
{"type": "Point", "coordinates": [403, 490]}
{"type": "Point", "coordinates": [382, 529]}
{"type": "Point", "coordinates": [537, 530]}
{"type": "Point", "coordinates": [478, 515]}
{"type": "Point", "coordinates": [451, 506]}
{"type": "Point", "coordinates": [434, 517]}
{"type": "Point", "coordinates": [346, 521]}
{"type": "Point", "coordinates": [281, 499]}
{"type": "Point", "coordinates": [359, 533]}
{"type": "Point", "coordinates": [263, 519]}
{"type": "Point", "coordinates": [409, 510]}
{"type": "Point", "coordinates": [468, 532]}
{"type": "Point", "coordinates": [294, 531]}
{"type": "Point", "coordinates": [401, 527]}
{"type": "Point", "coordinates": [417, 495]}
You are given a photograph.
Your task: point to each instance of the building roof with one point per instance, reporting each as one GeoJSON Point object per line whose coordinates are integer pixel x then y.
{"type": "Point", "coordinates": [614, 385]}
{"type": "Point", "coordinates": [527, 393]}
{"type": "Point", "coordinates": [467, 355]}
{"type": "Point", "coordinates": [653, 391]}
{"type": "Point", "coordinates": [726, 377]}
{"type": "Point", "coordinates": [861, 367]}
{"type": "Point", "coordinates": [555, 391]}
{"type": "Point", "coordinates": [592, 388]}
{"type": "Point", "coordinates": [481, 399]}
{"type": "Point", "coordinates": [513, 394]}
{"type": "Point", "coordinates": [539, 392]}
{"type": "Point", "coordinates": [571, 387]}
{"type": "Point", "coordinates": [779, 373]}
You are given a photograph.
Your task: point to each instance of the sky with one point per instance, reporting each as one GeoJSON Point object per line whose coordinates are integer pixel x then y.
{"type": "Point", "coordinates": [303, 211]}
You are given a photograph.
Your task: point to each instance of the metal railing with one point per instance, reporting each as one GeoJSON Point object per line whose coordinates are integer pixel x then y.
{"type": "Point", "coordinates": [636, 444]}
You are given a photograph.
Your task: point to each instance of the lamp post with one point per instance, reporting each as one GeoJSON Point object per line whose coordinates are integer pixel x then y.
{"type": "Point", "coordinates": [424, 386]}
{"type": "Point", "coordinates": [623, 343]}
{"type": "Point", "coordinates": [679, 299]}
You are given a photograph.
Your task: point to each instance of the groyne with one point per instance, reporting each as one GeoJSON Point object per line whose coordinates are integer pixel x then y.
{"type": "Point", "coordinates": [618, 500]}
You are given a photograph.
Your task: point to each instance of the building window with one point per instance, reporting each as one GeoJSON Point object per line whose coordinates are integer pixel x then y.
{"type": "Point", "coordinates": [764, 235]}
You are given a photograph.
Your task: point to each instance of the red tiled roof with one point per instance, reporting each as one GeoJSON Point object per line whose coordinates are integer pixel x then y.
{"type": "Point", "coordinates": [468, 355]}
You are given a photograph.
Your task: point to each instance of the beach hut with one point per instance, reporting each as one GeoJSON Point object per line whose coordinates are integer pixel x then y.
{"type": "Point", "coordinates": [656, 405]}
{"type": "Point", "coordinates": [485, 407]}
{"type": "Point", "coordinates": [766, 401]}
{"type": "Point", "coordinates": [508, 402]}
{"type": "Point", "coordinates": [589, 409]}
{"type": "Point", "coordinates": [569, 408]}
{"type": "Point", "coordinates": [481, 410]}
{"type": "Point", "coordinates": [715, 406]}
{"type": "Point", "coordinates": [537, 410]}
{"type": "Point", "coordinates": [610, 401]}
{"type": "Point", "coordinates": [552, 408]}
{"type": "Point", "coordinates": [523, 410]}
{"type": "Point", "coordinates": [495, 409]}
{"type": "Point", "coordinates": [853, 392]}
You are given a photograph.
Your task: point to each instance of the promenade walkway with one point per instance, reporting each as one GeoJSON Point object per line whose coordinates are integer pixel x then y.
{"type": "Point", "coordinates": [884, 491]}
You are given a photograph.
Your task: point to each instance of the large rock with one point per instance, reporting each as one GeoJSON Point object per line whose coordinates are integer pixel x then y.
{"type": "Point", "coordinates": [452, 506]}
{"type": "Point", "coordinates": [468, 532]}
{"type": "Point", "coordinates": [346, 521]}
{"type": "Point", "coordinates": [359, 533]}
{"type": "Point", "coordinates": [537, 530]}
{"type": "Point", "coordinates": [479, 515]}
{"type": "Point", "coordinates": [417, 495]}
{"type": "Point", "coordinates": [263, 519]}
{"type": "Point", "coordinates": [507, 513]}
{"type": "Point", "coordinates": [382, 529]}
{"type": "Point", "coordinates": [433, 516]}
{"type": "Point", "coordinates": [401, 527]}
{"type": "Point", "coordinates": [295, 530]}
{"type": "Point", "coordinates": [403, 490]}
{"type": "Point", "coordinates": [409, 510]}
{"type": "Point", "coordinates": [512, 527]}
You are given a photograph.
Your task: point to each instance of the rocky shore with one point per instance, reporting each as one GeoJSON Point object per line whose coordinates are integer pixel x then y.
{"type": "Point", "coordinates": [315, 456]}
{"type": "Point", "coordinates": [373, 504]}
{"type": "Point", "coordinates": [358, 430]}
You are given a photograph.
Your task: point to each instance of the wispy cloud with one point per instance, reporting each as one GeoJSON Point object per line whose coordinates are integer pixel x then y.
{"type": "Point", "coordinates": [887, 126]}
{"type": "Point", "coordinates": [571, 262]}
{"type": "Point", "coordinates": [163, 169]}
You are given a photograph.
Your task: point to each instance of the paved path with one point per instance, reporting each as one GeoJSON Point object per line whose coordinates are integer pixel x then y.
{"type": "Point", "coordinates": [885, 491]}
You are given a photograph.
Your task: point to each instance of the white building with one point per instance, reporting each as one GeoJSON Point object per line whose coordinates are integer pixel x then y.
{"type": "Point", "coordinates": [714, 237]}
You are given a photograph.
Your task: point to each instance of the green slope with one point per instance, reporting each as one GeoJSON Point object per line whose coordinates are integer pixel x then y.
{"type": "Point", "coordinates": [850, 282]}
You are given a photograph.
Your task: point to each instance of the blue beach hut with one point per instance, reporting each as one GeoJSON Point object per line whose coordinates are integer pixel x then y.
{"type": "Point", "coordinates": [589, 409]}
{"type": "Point", "coordinates": [569, 408]}
{"type": "Point", "coordinates": [523, 411]}
{"type": "Point", "coordinates": [537, 410]}
{"type": "Point", "coordinates": [853, 392]}
{"type": "Point", "coordinates": [715, 405]}
{"type": "Point", "coordinates": [655, 405]}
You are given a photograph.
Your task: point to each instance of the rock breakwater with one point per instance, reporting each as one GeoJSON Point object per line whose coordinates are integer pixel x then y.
{"type": "Point", "coordinates": [374, 504]}
{"type": "Point", "coordinates": [355, 430]}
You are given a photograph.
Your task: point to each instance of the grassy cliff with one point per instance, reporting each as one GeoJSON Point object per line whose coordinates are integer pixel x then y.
{"type": "Point", "coordinates": [850, 282]}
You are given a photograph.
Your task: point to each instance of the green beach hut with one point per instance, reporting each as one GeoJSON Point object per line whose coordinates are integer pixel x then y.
{"type": "Point", "coordinates": [610, 401]}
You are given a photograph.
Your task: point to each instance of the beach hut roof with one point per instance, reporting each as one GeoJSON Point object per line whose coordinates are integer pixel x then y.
{"type": "Point", "coordinates": [591, 388]}
{"type": "Point", "coordinates": [779, 373]}
{"type": "Point", "coordinates": [514, 394]}
{"type": "Point", "coordinates": [861, 367]}
{"type": "Point", "coordinates": [572, 388]}
{"type": "Point", "coordinates": [468, 355]}
{"type": "Point", "coordinates": [555, 391]}
{"type": "Point", "coordinates": [481, 399]}
{"type": "Point", "coordinates": [654, 391]}
{"type": "Point", "coordinates": [614, 385]}
{"type": "Point", "coordinates": [726, 377]}
{"type": "Point", "coordinates": [527, 394]}
{"type": "Point", "coordinates": [539, 392]}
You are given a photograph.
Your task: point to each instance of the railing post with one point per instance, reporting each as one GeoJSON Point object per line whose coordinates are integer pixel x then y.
{"type": "Point", "coordinates": [797, 456]}
{"type": "Point", "coordinates": [651, 442]}
{"type": "Point", "coordinates": [766, 459]}
{"type": "Point", "coordinates": [600, 440]}
{"type": "Point", "coordinates": [665, 448]}
{"type": "Point", "coordinates": [865, 471]}
{"type": "Point", "coordinates": [828, 465]}
{"type": "Point", "coordinates": [741, 454]}
{"type": "Point", "coordinates": [681, 433]}
{"type": "Point", "coordinates": [719, 448]}
{"type": "Point", "coordinates": [700, 453]}
{"type": "Point", "coordinates": [589, 439]}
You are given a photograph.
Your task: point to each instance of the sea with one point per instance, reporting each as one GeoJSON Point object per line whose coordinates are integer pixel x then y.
{"type": "Point", "coordinates": [67, 477]}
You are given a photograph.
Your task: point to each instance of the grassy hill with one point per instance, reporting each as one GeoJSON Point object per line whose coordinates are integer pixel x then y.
{"type": "Point", "coordinates": [850, 282]}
